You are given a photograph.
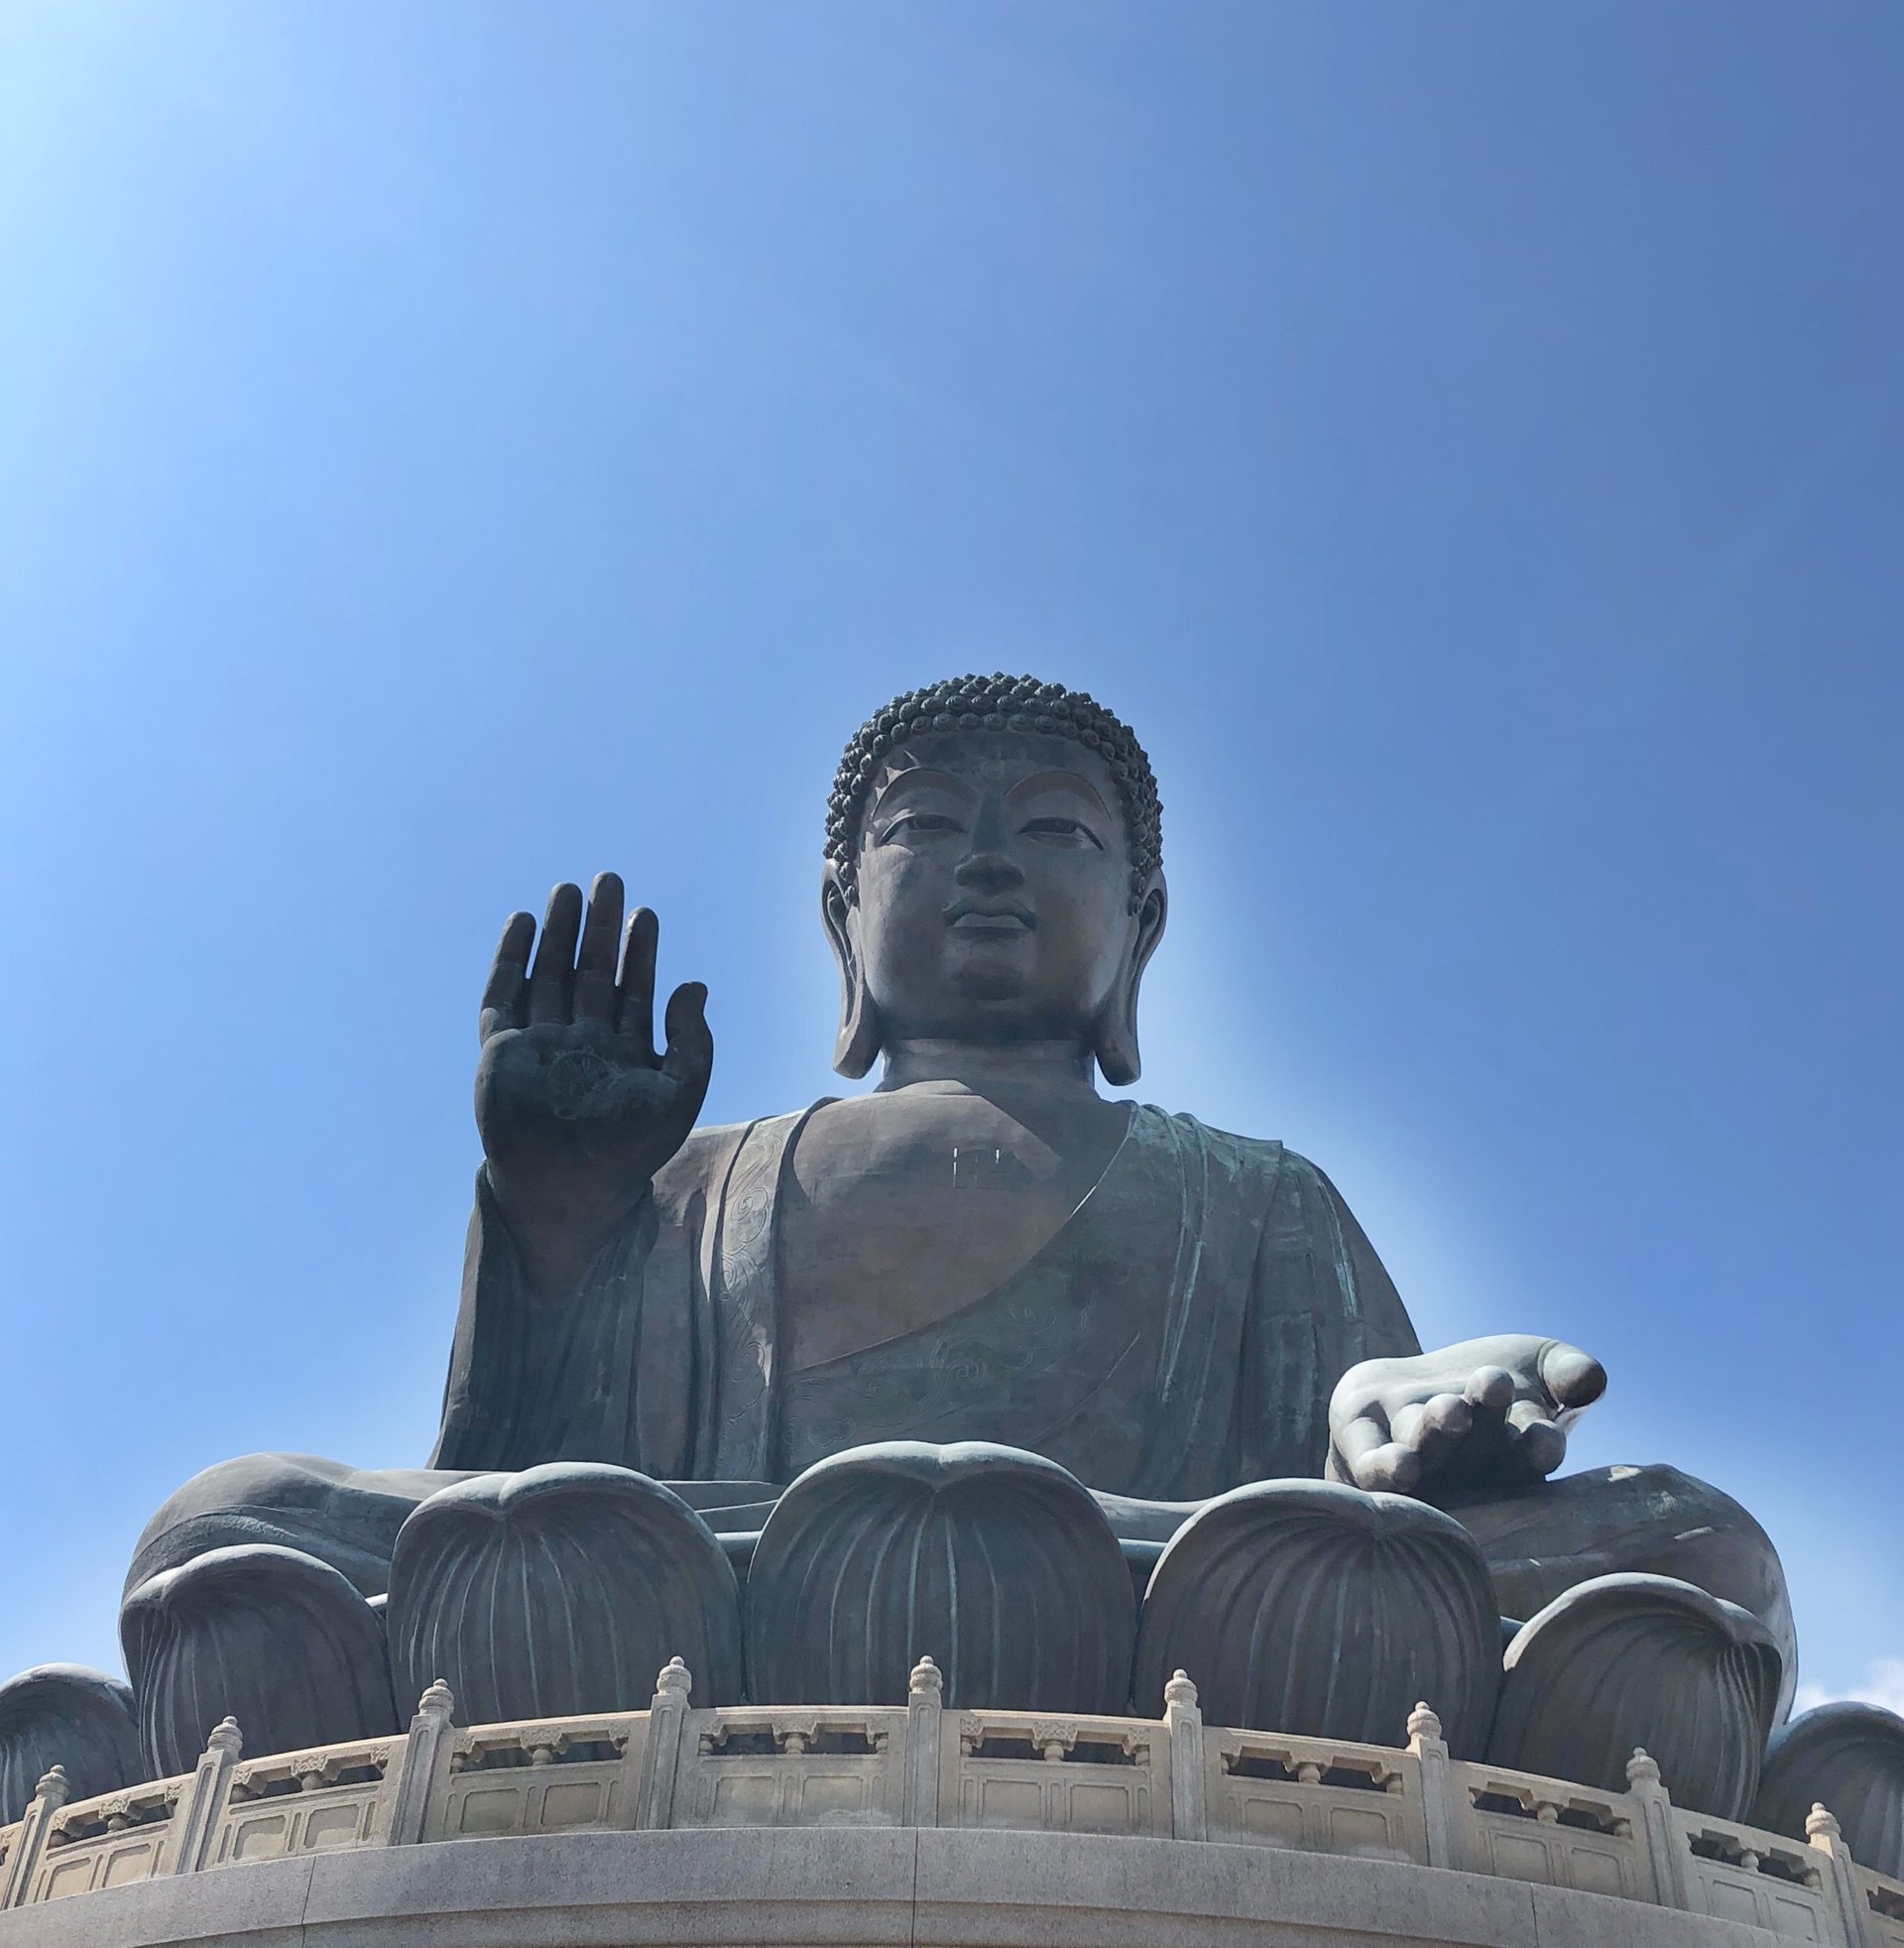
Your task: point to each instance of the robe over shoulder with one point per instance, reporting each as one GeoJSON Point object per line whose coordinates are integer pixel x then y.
{"type": "Point", "coordinates": [1179, 1335]}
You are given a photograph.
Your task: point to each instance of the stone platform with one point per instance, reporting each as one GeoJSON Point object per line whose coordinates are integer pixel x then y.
{"type": "Point", "coordinates": [840, 1887]}
{"type": "Point", "coordinates": [907, 1823]}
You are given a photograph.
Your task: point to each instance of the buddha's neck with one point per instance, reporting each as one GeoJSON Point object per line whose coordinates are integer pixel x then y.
{"type": "Point", "coordinates": [1048, 1069]}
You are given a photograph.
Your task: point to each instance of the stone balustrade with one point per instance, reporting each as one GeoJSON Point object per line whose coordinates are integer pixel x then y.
{"type": "Point", "coordinates": [921, 1765]}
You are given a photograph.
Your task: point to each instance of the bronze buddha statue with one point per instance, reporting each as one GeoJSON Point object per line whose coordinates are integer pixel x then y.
{"type": "Point", "coordinates": [982, 1248]}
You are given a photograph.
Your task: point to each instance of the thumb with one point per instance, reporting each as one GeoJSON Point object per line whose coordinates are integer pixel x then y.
{"type": "Point", "coordinates": [689, 1059]}
{"type": "Point", "coordinates": [1574, 1379]}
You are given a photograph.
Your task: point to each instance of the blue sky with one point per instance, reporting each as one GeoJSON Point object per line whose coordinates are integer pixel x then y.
{"type": "Point", "coordinates": [446, 448]}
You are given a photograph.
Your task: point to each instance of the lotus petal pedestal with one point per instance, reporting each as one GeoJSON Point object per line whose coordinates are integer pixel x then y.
{"type": "Point", "coordinates": [557, 1591]}
{"type": "Point", "coordinates": [271, 1637]}
{"type": "Point", "coordinates": [996, 1563]}
{"type": "Point", "coordinates": [1642, 1660]}
{"type": "Point", "coordinates": [1313, 1608]}
{"type": "Point", "coordinates": [1849, 1757]}
{"type": "Point", "coordinates": [66, 1715]}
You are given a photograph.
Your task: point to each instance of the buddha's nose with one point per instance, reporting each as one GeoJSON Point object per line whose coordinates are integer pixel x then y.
{"type": "Point", "coordinates": [987, 864]}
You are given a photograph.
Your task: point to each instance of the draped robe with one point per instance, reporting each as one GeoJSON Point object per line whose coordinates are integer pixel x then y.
{"type": "Point", "coordinates": [1180, 1334]}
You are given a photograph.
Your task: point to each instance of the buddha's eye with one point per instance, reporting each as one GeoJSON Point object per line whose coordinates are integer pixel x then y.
{"type": "Point", "coordinates": [920, 824]}
{"type": "Point", "coordinates": [1061, 831]}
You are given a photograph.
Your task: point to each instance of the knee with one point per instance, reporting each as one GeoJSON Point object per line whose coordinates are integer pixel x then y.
{"type": "Point", "coordinates": [1661, 1520]}
{"type": "Point", "coordinates": [1654, 1521]}
{"type": "Point", "coordinates": [1683, 1526]}
{"type": "Point", "coordinates": [295, 1501]}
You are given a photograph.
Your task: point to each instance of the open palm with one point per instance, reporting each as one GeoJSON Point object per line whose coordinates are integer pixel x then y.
{"type": "Point", "coordinates": [575, 1107]}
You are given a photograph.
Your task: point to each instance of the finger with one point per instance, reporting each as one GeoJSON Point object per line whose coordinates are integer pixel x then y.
{"type": "Point", "coordinates": [595, 962]}
{"type": "Point", "coordinates": [1391, 1470]}
{"type": "Point", "coordinates": [1575, 1378]}
{"type": "Point", "coordinates": [503, 991]}
{"type": "Point", "coordinates": [637, 987]}
{"type": "Point", "coordinates": [1450, 1417]}
{"type": "Point", "coordinates": [1428, 1425]}
{"type": "Point", "coordinates": [1538, 1444]}
{"type": "Point", "coordinates": [1373, 1461]}
{"type": "Point", "coordinates": [553, 975]}
{"type": "Point", "coordinates": [690, 1042]}
{"type": "Point", "coordinates": [1361, 1437]}
{"type": "Point", "coordinates": [1489, 1387]}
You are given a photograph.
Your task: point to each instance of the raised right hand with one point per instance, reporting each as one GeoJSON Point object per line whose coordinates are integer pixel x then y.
{"type": "Point", "coordinates": [576, 1110]}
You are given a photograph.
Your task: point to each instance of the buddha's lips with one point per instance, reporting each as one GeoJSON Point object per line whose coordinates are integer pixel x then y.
{"type": "Point", "coordinates": [979, 916]}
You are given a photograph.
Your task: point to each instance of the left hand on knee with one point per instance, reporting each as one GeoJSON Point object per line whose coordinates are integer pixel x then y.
{"type": "Point", "coordinates": [1484, 1413]}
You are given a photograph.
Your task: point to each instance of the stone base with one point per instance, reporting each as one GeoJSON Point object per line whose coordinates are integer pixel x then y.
{"type": "Point", "coordinates": [837, 1887]}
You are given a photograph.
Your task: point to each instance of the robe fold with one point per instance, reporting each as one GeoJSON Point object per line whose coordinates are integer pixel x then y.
{"type": "Point", "coordinates": [1180, 1334]}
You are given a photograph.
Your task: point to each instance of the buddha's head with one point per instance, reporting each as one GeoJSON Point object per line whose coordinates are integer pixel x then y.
{"type": "Point", "coordinates": [993, 873]}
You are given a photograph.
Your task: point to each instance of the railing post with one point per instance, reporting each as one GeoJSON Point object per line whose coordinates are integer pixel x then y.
{"type": "Point", "coordinates": [1844, 1902]}
{"type": "Point", "coordinates": [1663, 1845]}
{"type": "Point", "coordinates": [48, 1796]}
{"type": "Point", "coordinates": [1430, 1751]}
{"type": "Point", "coordinates": [202, 1802]}
{"type": "Point", "coordinates": [924, 1713]}
{"type": "Point", "coordinates": [662, 1759]}
{"type": "Point", "coordinates": [1189, 1812]}
{"type": "Point", "coordinates": [421, 1765]}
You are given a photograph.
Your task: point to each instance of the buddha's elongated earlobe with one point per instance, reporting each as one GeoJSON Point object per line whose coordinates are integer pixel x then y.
{"type": "Point", "coordinates": [861, 1034]}
{"type": "Point", "coordinates": [1116, 1036]}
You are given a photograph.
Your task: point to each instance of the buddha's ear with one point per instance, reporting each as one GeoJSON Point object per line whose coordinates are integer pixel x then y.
{"type": "Point", "coordinates": [1117, 1031]}
{"type": "Point", "coordinates": [861, 1034]}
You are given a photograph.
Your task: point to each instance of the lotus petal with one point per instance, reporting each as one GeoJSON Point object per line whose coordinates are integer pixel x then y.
{"type": "Point", "coordinates": [66, 1715]}
{"type": "Point", "coordinates": [1316, 1609]}
{"type": "Point", "coordinates": [1849, 1757]}
{"type": "Point", "coordinates": [559, 1590]}
{"type": "Point", "coordinates": [996, 1563]}
{"type": "Point", "coordinates": [269, 1637]}
{"type": "Point", "coordinates": [1642, 1660]}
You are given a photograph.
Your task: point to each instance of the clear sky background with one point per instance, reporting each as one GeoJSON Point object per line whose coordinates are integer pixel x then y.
{"type": "Point", "coordinates": [445, 448]}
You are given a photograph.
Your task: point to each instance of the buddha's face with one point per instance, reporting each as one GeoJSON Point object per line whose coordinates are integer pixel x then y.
{"type": "Point", "coordinates": [994, 901]}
